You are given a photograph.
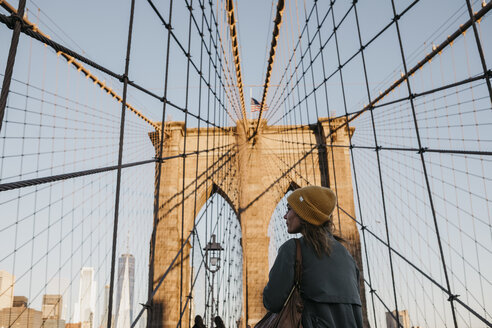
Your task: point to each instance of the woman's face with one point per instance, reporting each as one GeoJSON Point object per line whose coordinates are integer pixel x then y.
{"type": "Point", "coordinates": [293, 221]}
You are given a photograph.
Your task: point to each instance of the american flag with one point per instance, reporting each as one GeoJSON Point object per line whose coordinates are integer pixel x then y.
{"type": "Point", "coordinates": [256, 106]}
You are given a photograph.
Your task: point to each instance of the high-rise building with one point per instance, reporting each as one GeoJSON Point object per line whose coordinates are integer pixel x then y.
{"type": "Point", "coordinates": [104, 310]}
{"type": "Point", "coordinates": [51, 311]}
{"type": "Point", "coordinates": [19, 301]}
{"type": "Point", "coordinates": [6, 289]}
{"type": "Point", "coordinates": [124, 292]}
{"type": "Point", "coordinates": [19, 316]}
{"type": "Point", "coordinates": [86, 306]}
{"type": "Point", "coordinates": [402, 317]}
{"type": "Point", "coordinates": [52, 306]}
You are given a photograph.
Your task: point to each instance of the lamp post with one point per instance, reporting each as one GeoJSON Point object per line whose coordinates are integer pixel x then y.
{"type": "Point", "coordinates": [212, 264]}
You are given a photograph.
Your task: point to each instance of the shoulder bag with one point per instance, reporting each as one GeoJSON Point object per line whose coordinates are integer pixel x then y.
{"type": "Point", "coordinates": [291, 314]}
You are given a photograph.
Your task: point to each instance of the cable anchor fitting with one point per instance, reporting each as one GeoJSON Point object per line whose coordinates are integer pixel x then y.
{"type": "Point", "coordinates": [13, 18]}
{"type": "Point", "coordinates": [124, 78]}
{"type": "Point", "coordinates": [453, 297]}
{"type": "Point", "coordinates": [146, 306]}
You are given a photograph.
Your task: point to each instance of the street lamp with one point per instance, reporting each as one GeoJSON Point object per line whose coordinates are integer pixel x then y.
{"type": "Point", "coordinates": [212, 264]}
{"type": "Point", "coordinates": [212, 255]}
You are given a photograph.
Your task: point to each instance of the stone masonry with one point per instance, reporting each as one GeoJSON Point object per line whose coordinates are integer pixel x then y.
{"type": "Point", "coordinates": [252, 174]}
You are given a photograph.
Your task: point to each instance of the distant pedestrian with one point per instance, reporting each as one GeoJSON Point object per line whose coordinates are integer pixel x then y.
{"type": "Point", "coordinates": [218, 322]}
{"type": "Point", "coordinates": [198, 322]}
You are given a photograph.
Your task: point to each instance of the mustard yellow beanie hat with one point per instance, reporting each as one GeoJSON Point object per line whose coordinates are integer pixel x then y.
{"type": "Point", "coordinates": [313, 204]}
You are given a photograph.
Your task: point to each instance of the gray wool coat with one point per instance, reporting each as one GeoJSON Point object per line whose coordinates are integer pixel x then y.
{"type": "Point", "coordinates": [329, 286]}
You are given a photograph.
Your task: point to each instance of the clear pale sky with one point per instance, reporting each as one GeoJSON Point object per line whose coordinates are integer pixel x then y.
{"type": "Point", "coordinates": [98, 30]}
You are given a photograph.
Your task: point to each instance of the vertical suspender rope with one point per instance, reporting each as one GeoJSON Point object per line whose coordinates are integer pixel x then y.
{"type": "Point", "coordinates": [235, 53]}
{"type": "Point", "coordinates": [159, 172]}
{"type": "Point", "coordinates": [120, 159]}
{"type": "Point", "coordinates": [303, 78]}
{"type": "Point", "coordinates": [344, 103]}
{"type": "Point", "coordinates": [297, 88]}
{"type": "Point", "coordinates": [424, 167]}
{"type": "Point", "coordinates": [479, 48]}
{"type": "Point", "coordinates": [284, 130]}
{"type": "Point", "coordinates": [380, 179]}
{"type": "Point", "coordinates": [355, 171]}
{"type": "Point", "coordinates": [216, 203]}
{"type": "Point", "coordinates": [195, 233]}
{"type": "Point", "coordinates": [273, 47]}
{"type": "Point", "coordinates": [321, 164]}
{"type": "Point", "coordinates": [207, 178]}
{"type": "Point", "coordinates": [289, 95]}
{"type": "Point", "coordinates": [9, 68]}
{"type": "Point", "coordinates": [183, 179]}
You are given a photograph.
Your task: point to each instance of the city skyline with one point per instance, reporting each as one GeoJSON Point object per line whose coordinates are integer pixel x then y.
{"type": "Point", "coordinates": [90, 310]}
{"type": "Point", "coordinates": [17, 312]}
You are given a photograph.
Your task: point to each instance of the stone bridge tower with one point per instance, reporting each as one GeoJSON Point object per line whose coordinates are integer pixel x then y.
{"type": "Point", "coordinates": [253, 175]}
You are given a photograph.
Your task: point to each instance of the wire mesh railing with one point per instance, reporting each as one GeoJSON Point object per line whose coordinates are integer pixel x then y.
{"type": "Point", "coordinates": [136, 151]}
{"type": "Point", "coordinates": [420, 148]}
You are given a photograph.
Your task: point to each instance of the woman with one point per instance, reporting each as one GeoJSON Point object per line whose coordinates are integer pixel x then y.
{"type": "Point", "coordinates": [330, 277]}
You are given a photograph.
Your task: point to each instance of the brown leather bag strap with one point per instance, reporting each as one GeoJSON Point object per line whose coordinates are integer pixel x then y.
{"type": "Point", "coordinates": [298, 263]}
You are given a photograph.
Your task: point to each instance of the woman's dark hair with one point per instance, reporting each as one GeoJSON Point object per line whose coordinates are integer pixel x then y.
{"type": "Point", "coordinates": [319, 237]}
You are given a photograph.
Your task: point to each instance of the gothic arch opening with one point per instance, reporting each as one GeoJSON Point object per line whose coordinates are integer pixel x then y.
{"type": "Point", "coordinates": [216, 277]}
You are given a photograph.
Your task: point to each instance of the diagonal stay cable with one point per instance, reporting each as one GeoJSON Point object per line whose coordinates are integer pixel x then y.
{"type": "Point", "coordinates": [273, 47]}
{"type": "Point", "coordinates": [71, 57]}
{"type": "Point", "coordinates": [16, 26]}
{"type": "Point", "coordinates": [427, 59]}
{"type": "Point", "coordinates": [275, 107]}
{"type": "Point", "coordinates": [168, 26]}
{"type": "Point", "coordinates": [479, 46]}
{"type": "Point", "coordinates": [293, 57]}
{"type": "Point", "coordinates": [427, 92]}
{"type": "Point", "coordinates": [418, 269]}
{"type": "Point", "coordinates": [54, 178]}
{"type": "Point", "coordinates": [224, 67]}
{"type": "Point", "coordinates": [71, 175]}
{"type": "Point", "coordinates": [147, 305]}
{"type": "Point", "coordinates": [405, 149]}
{"type": "Point", "coordinates": [215, 43]}
{"type": "Point", "coordinates": [310, 64]}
